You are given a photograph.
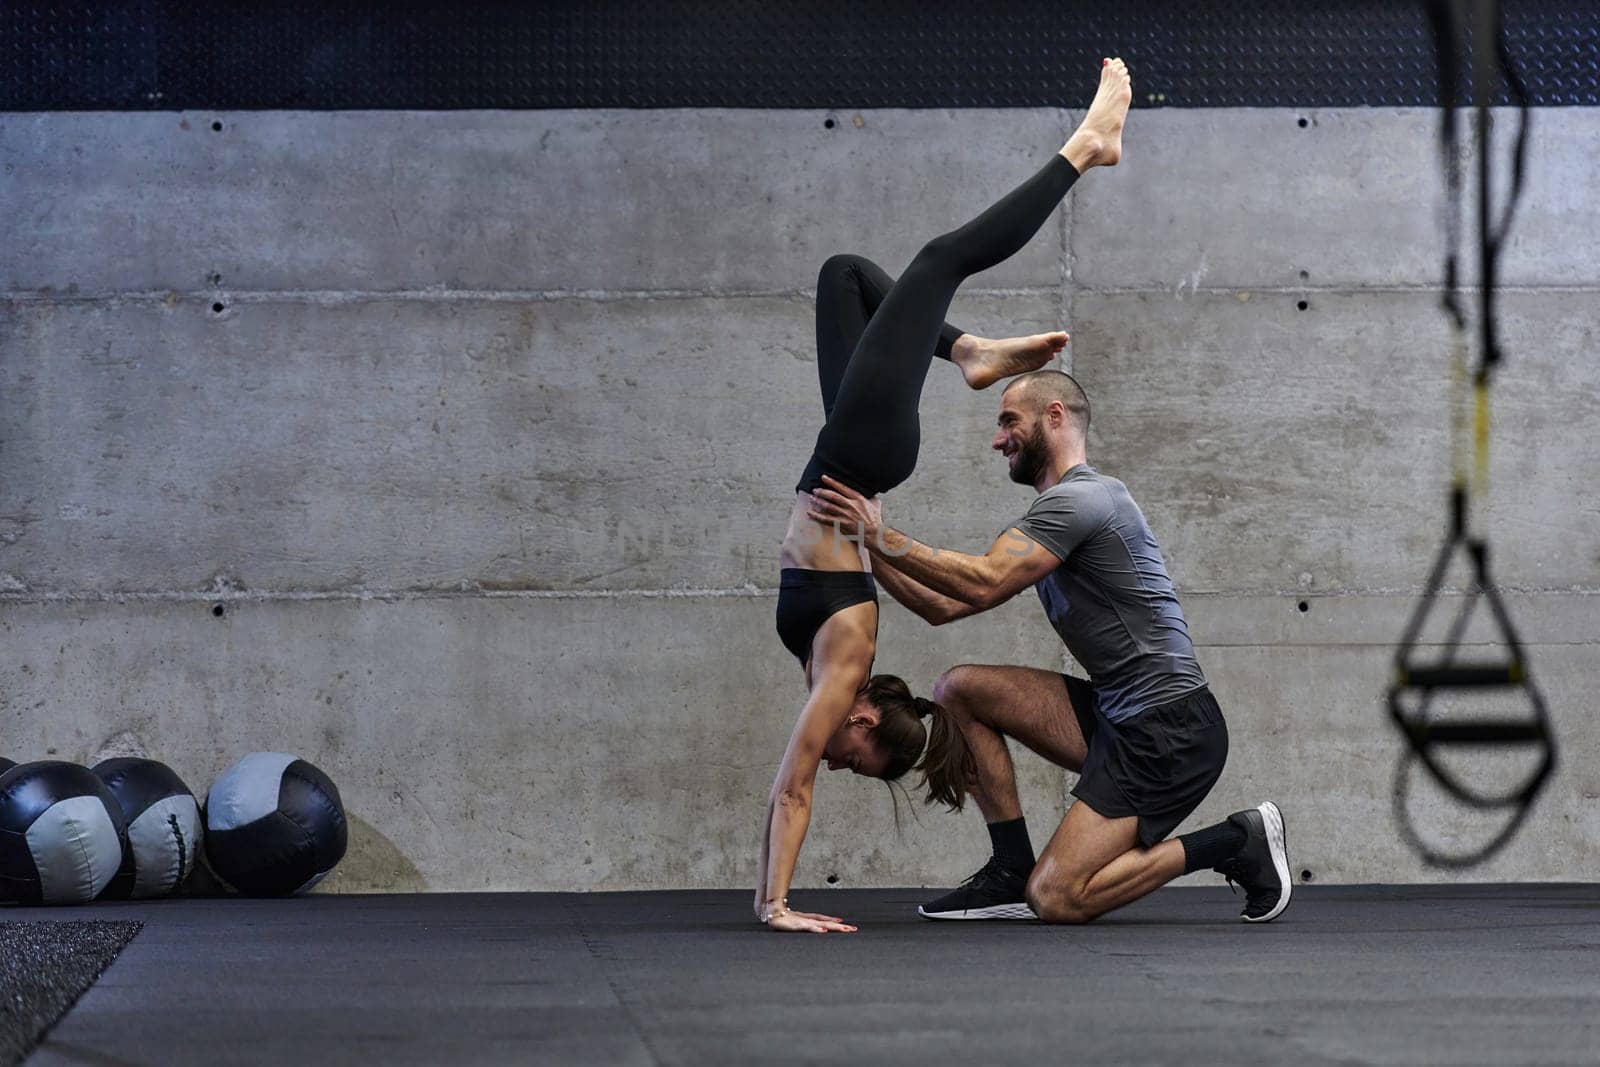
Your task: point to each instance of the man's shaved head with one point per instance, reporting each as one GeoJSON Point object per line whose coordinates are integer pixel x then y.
{"type": "Point", "coordinates": [1042, 386]}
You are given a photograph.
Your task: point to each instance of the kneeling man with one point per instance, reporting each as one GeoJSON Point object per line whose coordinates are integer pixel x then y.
{"type": "Point", "coordinates": [1143, 733]}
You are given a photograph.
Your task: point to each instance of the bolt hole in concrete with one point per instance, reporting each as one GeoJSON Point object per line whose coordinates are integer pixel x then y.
{"type": "Point", "coordinates": [1302, 305]}
{"type": "Point", "coordinates": [1304, 606]}
{"type": "Point", "coordinates": [218, 610]}
{"type": "Point", "coordinates": [1303, 123]}
{"type": "Point", "coordinates": [1306, 875]}
{"type": "Point", "coordinates": [833, 879]}
{"type": "Point", "coordinates": [217, 126]}
{"type": "Point", "coordinates": [219, 308]}
{"type": "Point", "coordinates": [828, 124]}
{"type": "Point", "coordinates": [1304, 275]}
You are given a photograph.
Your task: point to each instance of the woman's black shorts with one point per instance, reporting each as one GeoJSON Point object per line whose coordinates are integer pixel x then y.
{"type": "Point", "coordinates": [1158, 765]}
{"type": "Point", "coordinates": [807, 599]}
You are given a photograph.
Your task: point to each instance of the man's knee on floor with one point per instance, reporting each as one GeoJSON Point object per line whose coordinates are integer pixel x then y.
{"type": "Point", "coordinates": [1056, 900]}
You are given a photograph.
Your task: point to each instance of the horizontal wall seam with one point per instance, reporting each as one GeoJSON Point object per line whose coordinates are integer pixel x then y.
{"type": "Point", "coordinates": [751, 591]}
{"type": "Point", "coordinates": [239, 596]}
{"type": "Point", "coordinates": [345, 296]}
{"type": "Point", "coordinates": [1386, 646]}
{"type": "Point", "coordinates": [355, 296]}
{"type": "Point", "coordinates": [1306, 287]}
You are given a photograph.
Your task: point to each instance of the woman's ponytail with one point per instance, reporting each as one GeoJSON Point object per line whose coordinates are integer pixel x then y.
{"type": "Point", "coordinates": [946, 764]}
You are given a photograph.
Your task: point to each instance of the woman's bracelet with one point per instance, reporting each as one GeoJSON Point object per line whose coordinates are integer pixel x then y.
{"type": "Point", "coordinates": [771, 909]}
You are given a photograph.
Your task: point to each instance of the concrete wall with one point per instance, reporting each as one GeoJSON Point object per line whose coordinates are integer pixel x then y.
{"type": "Point", "coordinates": [451, 452]}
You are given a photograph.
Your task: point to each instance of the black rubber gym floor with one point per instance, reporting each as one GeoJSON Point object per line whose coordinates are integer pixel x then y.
{"type": "Point", "coordinates": [1376, 974]}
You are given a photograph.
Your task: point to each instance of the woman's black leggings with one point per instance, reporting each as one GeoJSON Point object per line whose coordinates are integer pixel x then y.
{"type": "Point", "coordinates": [876, 336]}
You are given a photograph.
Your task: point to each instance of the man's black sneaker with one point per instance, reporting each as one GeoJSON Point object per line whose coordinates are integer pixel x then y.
{"type": "Point", "coordinates": [995, 892]}
{"type": "Point", "coordinates": [1262, 865]}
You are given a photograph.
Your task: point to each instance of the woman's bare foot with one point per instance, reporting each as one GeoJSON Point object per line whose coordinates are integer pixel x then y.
{"type": "Point", "coordinates": [1098, 140]}
{"type": "Point", "coordinates": [984, 361]}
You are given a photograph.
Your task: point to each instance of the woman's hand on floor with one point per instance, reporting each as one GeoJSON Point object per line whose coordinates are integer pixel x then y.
{"type": "Point", "coordinates": [806, 922]}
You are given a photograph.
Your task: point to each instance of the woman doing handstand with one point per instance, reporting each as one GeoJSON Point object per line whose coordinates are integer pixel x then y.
{"type": "Point", "coordinates": [875, 339]}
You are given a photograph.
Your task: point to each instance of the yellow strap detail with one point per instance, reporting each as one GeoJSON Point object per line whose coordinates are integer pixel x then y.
{"type": "Point", "coordinates": [1480, 438]}
{"type": "Point", "coordinates": [1458, 408]}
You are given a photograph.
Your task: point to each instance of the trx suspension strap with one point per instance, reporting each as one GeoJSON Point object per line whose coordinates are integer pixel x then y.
{"type": "Point", "coordinates": [1421, 675]}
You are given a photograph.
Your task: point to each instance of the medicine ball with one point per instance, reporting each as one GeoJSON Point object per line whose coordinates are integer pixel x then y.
{"type": "Point", "coordinates": [6, 764]}
{"type": "Point", "coordinates": [274, 825]}
{"type": "Point", "coordinates": [163, 826]}
{"type": "Point", "coordinates": [61, 834]}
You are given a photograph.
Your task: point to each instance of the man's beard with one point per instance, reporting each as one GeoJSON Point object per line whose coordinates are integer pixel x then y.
{"type": "Point", "coordinates": [1031, 457]}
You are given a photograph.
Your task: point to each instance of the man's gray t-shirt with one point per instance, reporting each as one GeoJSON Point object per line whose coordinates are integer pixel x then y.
{"type": "Point", "coordinates": [1111, 599]}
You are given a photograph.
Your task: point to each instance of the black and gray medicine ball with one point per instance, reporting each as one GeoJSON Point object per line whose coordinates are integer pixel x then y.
{"type": "Point", "coordinates": [61, 834]}
{"type": "Point", "coordinates": [274, 825]}
{"type": "Point", "coordinates": [164, 831]}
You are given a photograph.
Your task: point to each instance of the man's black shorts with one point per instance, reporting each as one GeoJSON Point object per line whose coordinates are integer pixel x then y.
{"type": "Point", "coordinates": [1158, 765]}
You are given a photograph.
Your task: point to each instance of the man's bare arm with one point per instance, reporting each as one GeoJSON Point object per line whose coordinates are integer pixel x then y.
{"type": "Point", "coordinates": [977, 583]}
{"type": "Point", "coordinates": [932, 607]}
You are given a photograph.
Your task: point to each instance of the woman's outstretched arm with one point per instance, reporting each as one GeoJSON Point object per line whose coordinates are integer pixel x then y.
{"type": "Point", "coordinates": [761, 871]}
{"type": "Point", "coordinates": [841, 657]}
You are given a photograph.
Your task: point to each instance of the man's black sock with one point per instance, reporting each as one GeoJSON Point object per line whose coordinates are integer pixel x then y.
{"type": "Point", "coordinates": [1011, 845]}
{"type": "Point", "coordinates": [1204, 849]}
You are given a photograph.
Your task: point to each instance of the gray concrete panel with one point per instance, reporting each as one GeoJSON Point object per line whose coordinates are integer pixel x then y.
{"type": "Point", "coordinates": [1267, 443]}
{"type": "Point", "coordinates": [591, 743]}
{"type": "Point", "coordinates": [485, 743]}
{"type": "Point", "coordinates": [1313, 620]}
{"type": "Point", "coordinates": [711, 200]}
{"type": "Point", "coordinates": [1229, 198]}
{"type": "Point", "coordinates": [1309, 729]}
{"type": "Point", "coordinates": [413, 444]}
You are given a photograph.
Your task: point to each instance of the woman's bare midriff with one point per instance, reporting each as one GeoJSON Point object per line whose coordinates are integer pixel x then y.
{"type": "Point", "coordinates": [819, 546]}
